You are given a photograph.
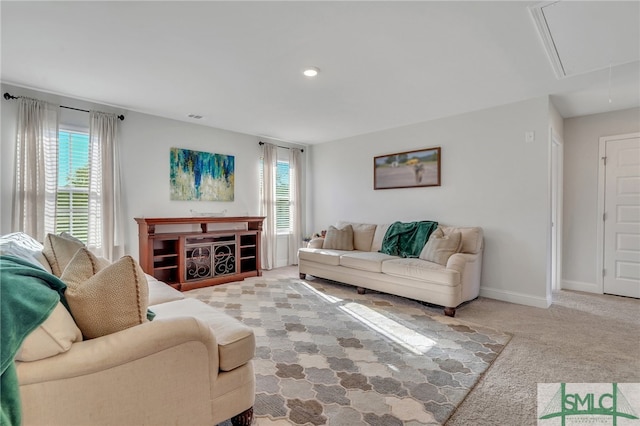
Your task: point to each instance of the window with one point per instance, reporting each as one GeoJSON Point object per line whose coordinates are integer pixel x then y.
{"type": "Point", "coordinates": [72, 198]}
{"type": "Point", "coordinates": [283, 201]}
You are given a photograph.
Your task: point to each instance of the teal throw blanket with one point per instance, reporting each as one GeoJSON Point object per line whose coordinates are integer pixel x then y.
{"type": "Point", "coordinates": [28, 295]}
{"type": "Point", "coordinates": [407, 239]}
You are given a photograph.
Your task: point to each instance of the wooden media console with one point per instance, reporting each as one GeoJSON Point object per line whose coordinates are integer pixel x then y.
{"type": "Point", "coordinates": [200, 258]}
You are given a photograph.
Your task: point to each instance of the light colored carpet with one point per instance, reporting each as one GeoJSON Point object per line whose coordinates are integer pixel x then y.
{"type": "Point", "coordinates": [581, 338]}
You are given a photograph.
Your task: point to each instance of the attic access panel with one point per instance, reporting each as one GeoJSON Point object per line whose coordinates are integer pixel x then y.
{"type": "Point", "coordinates": [585, 36]}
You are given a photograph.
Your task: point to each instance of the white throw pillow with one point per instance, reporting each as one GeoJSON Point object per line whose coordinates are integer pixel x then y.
{"type": "Point", "coordinates": [54, 336]}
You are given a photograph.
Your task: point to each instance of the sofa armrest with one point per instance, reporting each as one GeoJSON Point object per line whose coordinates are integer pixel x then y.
{"type": "Point", "coordinates": [107, 352]}
{"type": "Point", "coordinates": [470, 267]}
{"type": "Point", "coordinates": [316, 243]}
{"type": "Point", "coordinates": [161, 372]}
{"type": "Point", "coordinates": [458, 261]}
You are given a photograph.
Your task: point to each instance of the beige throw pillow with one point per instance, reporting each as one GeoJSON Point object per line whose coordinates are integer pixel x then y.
{"type": "Point", "coordinates": [114, 299]}
{"type": "Point", "coordinates": [82, 266]}
{"type": "Point", "coordinates": [378, 236]}
{"type": "Point", "coordinates": [362, 234]}
{"type": "Point", "coordinates": [59, 249]}
{"type": "Point", "coordinates": [440, 247]}
{"type": "Point", "coordinates": [339, 239]}
{"type": "Point", "coordinates": [54, 336]}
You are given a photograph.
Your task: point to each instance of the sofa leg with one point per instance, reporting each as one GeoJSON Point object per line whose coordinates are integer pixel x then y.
{"type": "Point", "coordinates": [243, 419]}
{"type": "Point", "coordinates": [303, 275]}
{"type": "Point", "coordinates": [361, 290]}
{"type": "Point", "coordinates": [450, 312]}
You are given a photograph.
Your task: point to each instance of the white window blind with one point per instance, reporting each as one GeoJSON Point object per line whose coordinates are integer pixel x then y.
{"type": "Point", "coordinates": [283, 202]}
{"type": "Point", "coordinates": [72, 198]}
{"type": "Point", "coordinates": [283, 198]}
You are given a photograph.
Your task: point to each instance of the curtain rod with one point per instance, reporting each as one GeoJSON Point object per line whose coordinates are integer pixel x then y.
{"type": "Point", "coordinates": [279, 146]}
{"type": "Point", "coordinates": [8, 97]}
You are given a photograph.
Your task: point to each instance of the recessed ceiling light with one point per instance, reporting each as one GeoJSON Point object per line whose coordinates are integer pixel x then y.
{"type": "Point", "coordinates": [311, 71]}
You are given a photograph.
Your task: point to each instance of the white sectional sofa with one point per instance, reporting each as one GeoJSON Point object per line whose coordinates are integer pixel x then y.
{"type": "Point", "coordinates": [453, 281]}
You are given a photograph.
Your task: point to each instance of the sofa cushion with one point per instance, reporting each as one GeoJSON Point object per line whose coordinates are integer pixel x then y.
{"type": "Point", "coordinates": [236, 341]}
{"type": "Point", "coordinates": [364, 260]}
{"type": "Point", "coordinates": [25, 247]}
{"type": "Point", "coordinates": [54, 336]}
{"type": "Point", "coordinates": [160, 292]}
{"type": "Point", "coordinates": [113, 299]}
{"type": "Point", "coordinates": [339, 239]}
{"type": "Point", "coordinates": [421, 270]}
{"type": "Point", "coordinates": [440, 247]}
{"type": "Point", "coordinates": [362, 234]}
{"type": "Point", "coordinates": [378, 236]}
{"type": "Point", "coordinates": [326, 257]}
{"type": "Point", "coordinates": [59, 249]}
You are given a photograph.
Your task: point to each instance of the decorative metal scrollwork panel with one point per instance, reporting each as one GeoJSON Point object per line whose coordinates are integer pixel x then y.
{"type": "Point", "coordinates": [224, 259]}
{"type": "Point", "coordinates": [198, 263]}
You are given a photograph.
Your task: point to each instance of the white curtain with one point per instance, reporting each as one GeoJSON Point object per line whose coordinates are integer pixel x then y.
{"type": "Point", "coordinates": [34, 197]}
{"type": "Point", "coordinates": [268, 205]}
{"type": "Point", "coordinates": [106, 228]}
{"type": "Point", "coordinates": [295, 208]}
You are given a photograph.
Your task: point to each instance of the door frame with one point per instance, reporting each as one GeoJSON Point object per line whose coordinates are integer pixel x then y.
{"type": "Point", "coordinates": [602, 169]}
{"type": "Point", "coordinates": [556, 198]}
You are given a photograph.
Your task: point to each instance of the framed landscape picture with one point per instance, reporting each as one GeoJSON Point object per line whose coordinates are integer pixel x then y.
{"type": "Point", "coordinates": [407, 169]}
{"type": "Point", "coordinates": [201, 176]}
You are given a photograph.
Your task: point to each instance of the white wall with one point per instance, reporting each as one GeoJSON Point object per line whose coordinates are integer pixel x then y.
{"type": "Point", "coordinates": [145, 141]}
{"type": "Point", "coordinates": [144, 157]}
{"type": "Point", "coordinates": [490, 178]}
{"type": "Point", "coordinates": [581, 140]}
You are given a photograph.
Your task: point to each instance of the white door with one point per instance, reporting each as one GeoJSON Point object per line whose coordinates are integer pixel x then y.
{"type": "Point", "coordinates": [622, 217]}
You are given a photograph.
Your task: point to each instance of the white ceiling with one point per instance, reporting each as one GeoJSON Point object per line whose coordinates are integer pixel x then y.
{"type": "Point", "coordinates": [585, 36]}
{"type": "Point", "coordinates": [238, 64]}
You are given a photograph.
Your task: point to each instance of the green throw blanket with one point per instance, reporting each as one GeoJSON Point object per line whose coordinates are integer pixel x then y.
{"type": "Point", "coordinates": [407, 239]}
{"type": "Point", "coordinates": [28, 295]}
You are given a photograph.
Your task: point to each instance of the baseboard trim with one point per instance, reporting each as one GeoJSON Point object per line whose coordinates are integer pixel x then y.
{"type": "Point", "coordinates": [513, 297]}
{"type": "Point", "coordinates": [581, 286]}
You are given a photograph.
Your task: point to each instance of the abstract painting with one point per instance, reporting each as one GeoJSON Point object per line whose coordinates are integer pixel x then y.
{"type": "Point", "coordinates": [201, 176]}
{"type": "Point", "coordinates": [407, 169]}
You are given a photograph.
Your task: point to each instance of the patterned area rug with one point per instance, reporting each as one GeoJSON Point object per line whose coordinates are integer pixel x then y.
{"type": "Point", "coordinates": [328, 356]}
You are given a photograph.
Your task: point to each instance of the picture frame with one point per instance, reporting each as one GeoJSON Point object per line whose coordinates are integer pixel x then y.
{"type": "Point", "coordinates": [201, 176]}
{"type": "Point", "coordinates": [409, 169]}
